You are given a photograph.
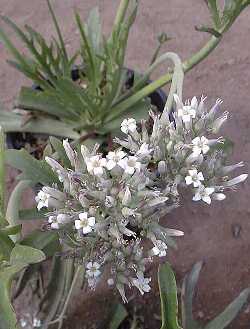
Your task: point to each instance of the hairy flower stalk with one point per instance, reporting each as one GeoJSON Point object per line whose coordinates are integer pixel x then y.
{"type": "Point", "coordinates": [108, 207]}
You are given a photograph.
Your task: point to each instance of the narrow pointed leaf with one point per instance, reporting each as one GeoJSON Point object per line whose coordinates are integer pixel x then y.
{"type": "Point", "coordinates": [168, 294]}
{"type": "Point", "coordinates": [230, 312]}
{"type": "Point", "coordinates": [187, 295]}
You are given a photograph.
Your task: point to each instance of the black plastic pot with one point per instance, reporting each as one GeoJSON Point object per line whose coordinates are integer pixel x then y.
{"type": "Point", "coordinates": [18, 140]}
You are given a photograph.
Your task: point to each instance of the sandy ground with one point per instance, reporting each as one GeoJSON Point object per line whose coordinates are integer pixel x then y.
{"type": "Point", "coordinates": [225, 74]}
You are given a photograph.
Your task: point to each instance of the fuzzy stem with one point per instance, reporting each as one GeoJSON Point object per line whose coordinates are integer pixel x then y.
{"type": "Point", "coordinates": [2, 178]}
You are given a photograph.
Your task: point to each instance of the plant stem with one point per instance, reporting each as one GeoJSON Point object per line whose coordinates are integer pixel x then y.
{"type": "Point", "coordinates": [201, 54]}
{"type": "Point", "coordinates": [165, 79]}
{"type": "Point", "coordinates": [2, 178]}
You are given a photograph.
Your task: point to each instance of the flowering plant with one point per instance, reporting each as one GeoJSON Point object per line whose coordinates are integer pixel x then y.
{"type": "Point", "coordinates": [107, 207]}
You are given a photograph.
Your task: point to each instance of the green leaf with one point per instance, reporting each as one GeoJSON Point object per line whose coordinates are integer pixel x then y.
{"type": "Point", "coordinates": [187, 295]}
{"type": "Point", "coordinates": [230, 312]}
{"type": "Point", "coordinates": [119, 314]}
{"type": "Point", "coordinates": [13, 207]}
{"type": "Point", "coordinates": [37, 171]}
{"type": "Point", "coordinates": [59, 149]}
{"type": "Point", "coordinates": [93, 28]}
{"type": "Point", "coordinates": [6, 245]}
{"type": "Point", "coordinates": [12, 122]}
{"type": "Point", "coordinates": [31, 214]}
{"type": "Point", "coordinates": [26, 255]}
{"type": "Point", "coordinates": [11, 230]}
{"type": "Point", "coordinates": [46, 241]}
{"type": "Point", "coordinates": [138, 111]}
{"type": "Point", "coordinates": [215, 13]}
{"type": "Point", "coordinates": [7, 314]}
{"type": "Point", "coordinates": [46, 102]}
{"type": "Point", "coordinates": [168, 295]}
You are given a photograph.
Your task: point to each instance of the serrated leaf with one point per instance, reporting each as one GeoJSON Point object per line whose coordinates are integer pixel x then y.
{"type": "Point", "coordinates": [230, 312]}
{"type": "Point", "coordinates": [168, 295]}
{"type": "Point", "coordinates": [37, 171]}
{"type": "Point", "coordinates": [26, 255]}
{"type": "Point", "coordinates": [187, 295]}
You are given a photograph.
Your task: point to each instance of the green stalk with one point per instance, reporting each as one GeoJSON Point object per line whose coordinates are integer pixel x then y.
{"type": "Point", "coordinates": [201, 54]}
{"type": "Point", "coordinates": [58, 30]}
{"type": "Point", "coordinates": [2, 178]}
{"type": "Point", "coordinates": [127, 103]}
{"type": "Point", "coordinates": [121, 12]}
{"type": "Point", "coordinates": [12, 212]}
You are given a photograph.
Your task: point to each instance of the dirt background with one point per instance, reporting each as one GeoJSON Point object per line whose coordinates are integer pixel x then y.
{"type": "Point", "coordinates": [225, 74]}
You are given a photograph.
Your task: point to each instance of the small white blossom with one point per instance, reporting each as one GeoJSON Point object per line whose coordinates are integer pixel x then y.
{"type": "Point", "coordinates": [113, 158]}
{"type": "Point", "coordinates": [186, 113]}
{"type": "Point", "coordinates": [130, 165]}
{"type": "Point", "coordinates": [128, 125]}
{"type": "Point", "coordinates": [144, 150]}
{"type": "Point", "coordinates": [52, 220]}
{"type": "Point", "coordinates": [110, 282]}
{"type": "Point", "coordinates": [42, 200]}
{"type": "Point", "coordinates": [194, 178]}
{"type": "Point", "coordinates": [203, 193]}
{"type": "Point", "coordinates": [85, 223]}
{"type": "Point", "coordinates": [142, 283]}
{"type": "Point", "coordinates": [219, 196]}
{"type": "Point", "coordinates": [95, 165]}
{"type": "Point", "coordinates": [200, 145]}
{"type": "Point", "coordinates": [160, 248]}
{"type": "Point", "coordinates": [37, 323]}
{"type": "Point", "coordinates": [93, 269]}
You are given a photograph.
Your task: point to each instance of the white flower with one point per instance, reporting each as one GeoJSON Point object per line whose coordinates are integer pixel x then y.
{"type": "Point", "coordinates": [93, 269]}
{"type": "Point", "coordinates": [142, 283]}
{"type": "Point", "coordinates": [53, 222]}
{"type": "Point", "coordinates": [194, 178]}
{"type": "Point", "coordinates": [113, 158]}
{"type": "Point", "coordinates": [203, 193]}
{"type": "Point", "coordinates": [128, 125]}
{"type": "Point", "coordinates": [110, 282]}
{"type": "Point", "coordinates": [200, 145]}
{"type": "Point", "coordinates": [219, 196]}
{"type": "Point", "coordinates": [95, 165]}
{"type": "Point", "coordinates": [160, 248]}
{"type": "Point", "coordinates": [186, 113]}
{"type": "Point", "coordinates": [144, 150]}
{"type": "Point", "coordinates": [85, 223]}
{"type": "Point", "coordinates": [42, 200]}
{"type": "Point", "coordinates": [130, 165]}
{"type": "Point", "coordinates": [37, 323]}
{"type": "Point", "coordinates": [69, 151]}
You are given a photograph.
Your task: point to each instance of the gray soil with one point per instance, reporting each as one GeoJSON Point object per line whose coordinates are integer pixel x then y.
{"type": "Point", "coordinates": [209, 231]}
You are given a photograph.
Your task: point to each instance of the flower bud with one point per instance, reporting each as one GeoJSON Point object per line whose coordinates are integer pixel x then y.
{"type": "Point", "coordinates": [162, 167]}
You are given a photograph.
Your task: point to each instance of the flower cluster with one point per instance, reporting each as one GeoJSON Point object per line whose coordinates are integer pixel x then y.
{"type": "Point", "coordinates": [109, 206]}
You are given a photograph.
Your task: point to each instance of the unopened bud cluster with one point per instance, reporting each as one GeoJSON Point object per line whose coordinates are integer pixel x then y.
{"type": "Point", "coordinates": [109, 206]}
